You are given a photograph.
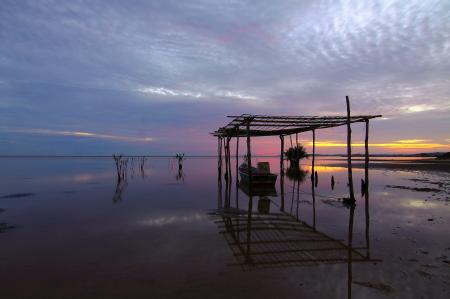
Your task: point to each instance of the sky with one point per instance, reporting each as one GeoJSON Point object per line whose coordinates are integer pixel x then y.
{"type": "Point", "coordinates": [156, 77]}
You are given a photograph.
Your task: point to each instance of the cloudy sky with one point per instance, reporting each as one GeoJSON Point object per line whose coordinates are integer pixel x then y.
{"type": "Point", "coordinates": [155, 77]}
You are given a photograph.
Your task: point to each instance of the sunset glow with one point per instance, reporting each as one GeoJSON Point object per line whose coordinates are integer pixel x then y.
{"type": "Point", "coordinates": [399, 144]}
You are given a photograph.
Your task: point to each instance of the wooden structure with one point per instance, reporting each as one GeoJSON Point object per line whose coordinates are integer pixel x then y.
{"type": "Point", "coordinates": [248, 126]}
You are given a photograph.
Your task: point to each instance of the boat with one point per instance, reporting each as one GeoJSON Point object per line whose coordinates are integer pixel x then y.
{"type": "Point", "coordinates": [260, 175]}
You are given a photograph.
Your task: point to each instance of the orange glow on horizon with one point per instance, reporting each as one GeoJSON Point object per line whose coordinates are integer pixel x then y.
{"type": "Point", "coordinates": [272, 147]}
{"type": "Point", "coordinates": [399, 144]}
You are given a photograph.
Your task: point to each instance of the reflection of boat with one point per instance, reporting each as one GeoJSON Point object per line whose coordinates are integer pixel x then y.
{"type": "Point", "coordinates": [260, 175]}
{"type": "Point", "coordinates": [258, 190]}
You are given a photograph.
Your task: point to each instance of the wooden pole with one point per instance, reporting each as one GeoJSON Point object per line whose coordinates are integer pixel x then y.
{"type": "Point", "coordinates": [282, 173]}
{"type": "Point", "coordinates": [224, 146]}
{"type": "Point", "coordinates": [237, 167]}
{"type": "Point", "coordinates": [250, 202]}
{"type": "Point", "coordinates": [229, 160]}
{"type": "Point", "coordinates": [313, 156]}
{"type": "Point", "coordinates": [237, 156]}
{"type": "Point", "coordinates": [249, 157]}
{"type": "Point", "coordinates": [313, 192]}
{"type": "Point", "coordinates": [366, 166]}
{"type": "Point", "coordinates": [349, 152]}
{"type": "Point", "coordinates": [219, 162]}
{"type": "Point", "coordinates": [366, 194]}
{"type": "Point", "coordinates": [296, 139]}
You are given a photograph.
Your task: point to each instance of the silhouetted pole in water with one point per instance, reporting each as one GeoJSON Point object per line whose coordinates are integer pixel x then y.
{"type": "Point", "coordinates": [332, 182]}
{"type": "Point", "coordinates": [225, 157]}
{"type": "Point", "coordinates": [237, 167]}
{"type": "Point", "coordinates": [228, 155]}
{"type": "Point", "coordinates": [349, 153]}
{"type": "Point", "coordinates": [282, 173]}
{"type": "Point", "coordinates": [314, 155]}
{"type": "Point", "coordinates": [366, 191]}
{"type": "Point", "coordinates": [249, 158]}
{"type": "Point", "coordinates": [219, 154]}
{"type": "Point", "coordinates": [366, 146]}
{"type": "Point", "coordinates": [237, 156]}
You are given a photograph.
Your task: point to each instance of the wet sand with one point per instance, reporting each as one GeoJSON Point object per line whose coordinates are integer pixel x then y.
{"type": "Point", "coordinates": [412, 165]}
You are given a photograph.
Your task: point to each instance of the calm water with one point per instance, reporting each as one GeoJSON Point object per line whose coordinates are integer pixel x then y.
{"type": "Point", "coordinates": [68, 230]}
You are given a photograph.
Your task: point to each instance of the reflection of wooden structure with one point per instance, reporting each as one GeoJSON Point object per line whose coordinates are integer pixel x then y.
{"type": "Point", "coordinates": [262, 238]}
{"type": "Point", "coordinates": [279, 240]}
{"type": "Point", "coordinates": [258, 190]}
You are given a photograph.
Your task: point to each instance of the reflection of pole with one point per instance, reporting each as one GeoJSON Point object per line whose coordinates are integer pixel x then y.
{"type": "Point", "coordinates": [249, 229]}
{"type": "Point", "coordinates": [349, 152]}
{"type": "Point", "coordinates": [282, 173]}
{"type": "Point", "coordinates": [367, 190]}
{"type": "Point", "coordinates": [349, 252]}
{"type": "Point", "coordinates": [314, 204]}
{"type": "Point", "coordinates": [219, 194]}
{"type": "Point", "coordinates": [298, 195]}
{"type": "Point", "coordinates": [227, 195]}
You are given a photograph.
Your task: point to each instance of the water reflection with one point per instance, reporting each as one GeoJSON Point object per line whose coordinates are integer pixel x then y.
{"type": "Point", "coordinates": [127, 167]}
{"type": "Point", "coordinates": [180, 175]}
{"type": "Point", "coordinates": [263, 237]}
{"type": "Point", "coordinates": [121, 185]}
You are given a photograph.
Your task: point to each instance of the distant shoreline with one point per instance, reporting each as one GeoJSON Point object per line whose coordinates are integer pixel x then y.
{"type": "Point", "coordinates": [354, 157]}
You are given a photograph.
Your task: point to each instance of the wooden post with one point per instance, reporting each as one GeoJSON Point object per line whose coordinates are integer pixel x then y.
{"type": "Point", "coordinates": [237, 156]}
{"type": "Point", "coordinates": [282, 154]}
{"type": "Point", "coordinates": [229, 159]}
{"type": "Point", "coordinates": [296, 139]}
{"type": "Point", "coordinates": [282, 173]}
{"type": "Point", "coordinates": [313, 192]}
{"type": "Point", "coordinates": [249, 157]}
{"type": "Point", "coordinates": [366, 194]}
{"type": "Point", "coordinates": [219, 162]}
{"type": "Point", "coordinates": [224, 146]}
{"type": "Point", "coordinates": [366, 166]}
{"type": "Point", "coordinates": [313, 157]}
{"type": "Point", "coordinates": [349, 152]}
{"type": "Point", "coordinates": [237, 167]}
{"type": "Point", "coordinates": [250, 202]}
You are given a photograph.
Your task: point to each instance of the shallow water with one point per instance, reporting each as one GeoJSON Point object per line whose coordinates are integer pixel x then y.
{"type": "Point", "coordinates": [68, 230]}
